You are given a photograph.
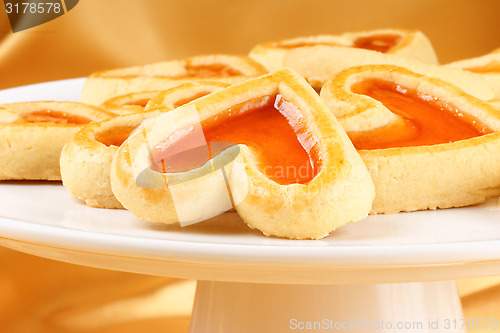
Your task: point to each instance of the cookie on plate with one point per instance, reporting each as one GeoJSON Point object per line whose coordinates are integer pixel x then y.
{"type": "Point", "coordinates": [426, 143]}
{"type": "Point", "coordinates": [32, 135]}
{"type": "Point", "coordinates": [267, 147]}
{"type": "Point", "coordinates": [408, 43]}
{"type": "Point", "coordinates": [103, 85]}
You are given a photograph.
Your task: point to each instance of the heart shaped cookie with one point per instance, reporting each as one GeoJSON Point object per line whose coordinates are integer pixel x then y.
{"type": "Point", "coordinates": [103, 85]}
{"type": "Point", "coordinates": [408, 43]}
{"type": "Point", "coordinates": [86, 158]}
{"type": "Point", "coordinates": [267, 147]}
{"type": "Point", "coordinates": [488, 66]}
{"type": "Point", "coordinates": [32, 135]}
{"type": "Point", "coordinates": [426, 143]}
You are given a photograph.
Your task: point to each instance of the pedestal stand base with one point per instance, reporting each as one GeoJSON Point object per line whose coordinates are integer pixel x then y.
{"type": "Point", "coordinates": [227, 307]}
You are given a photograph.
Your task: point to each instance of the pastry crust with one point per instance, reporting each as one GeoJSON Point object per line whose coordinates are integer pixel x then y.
{"type": "Point", "coordinates": [341, 192]}
{"type": "Point", "coordinates": [320, 63]}
{"type": "Point", "coordinates": [30, 144]}
{"type": "Point", "coordinates": [488, 66]}
{"type": "Point", "coordinates": [183, 94]}
{"type": "Point", "coordinates": [495, 103]}
{"type": "Point", "coordinates": [408, 43]}
{"type": "Point", "coordinates": [129, 103]}
{"type": "Point", "coordinates": [446, 175]}
{"type": "Point", "coordinates": [86, 158]}
{"type": "Point", "coordinates": [230, 69]}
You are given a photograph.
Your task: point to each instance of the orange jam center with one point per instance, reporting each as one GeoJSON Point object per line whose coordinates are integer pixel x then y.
{"type": "Point", "coordinates": [426, 121]}
{"type": "Point", "coordinates": [210, 70]}
{"type": "Point", "coordinates": [492, 67]}
{"type": "Point", "coordinates": [139, 102]}
{"type": "Point", "coordinates": [380, 43]}
{"type": "Point", "coordinates": [56, 117]}
{"type": "Point", "coordinates": [271, 127]}
{"type": "Point", "coordinates": [114, 136]}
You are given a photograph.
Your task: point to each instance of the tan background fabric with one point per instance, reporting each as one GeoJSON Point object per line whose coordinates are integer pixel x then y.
{"type": "Point", "coordinates": [39, 295]}
{"type": "Point", "coordinates": [99, 34]}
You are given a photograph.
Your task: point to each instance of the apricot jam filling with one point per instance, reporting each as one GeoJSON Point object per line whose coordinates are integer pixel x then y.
{"type": "Point", "coordinates": [426, 121]}
{"type": "Point", "coordinates": [55, 117]}
{"type": "Point", "coordinates": [381, 43]}
{"type": "Point", "coordinates": [272, 127]}
{"type": "Point", "coordinates": [114, 136]}
{"type": "Point", "coordinates": [491, 67]}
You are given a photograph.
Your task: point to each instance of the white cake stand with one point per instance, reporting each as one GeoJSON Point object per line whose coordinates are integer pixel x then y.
{"type": "Point", "coordinates": [387, 273]}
